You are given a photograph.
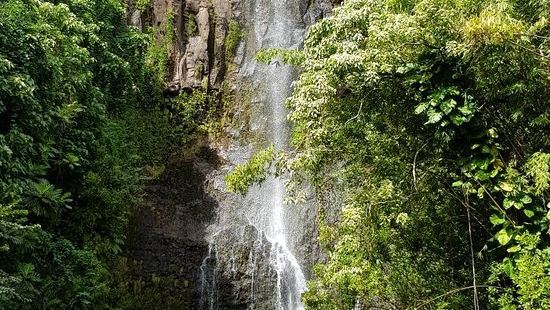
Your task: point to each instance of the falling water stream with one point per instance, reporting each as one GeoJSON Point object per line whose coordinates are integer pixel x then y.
{"type": "Point", "coordinates": [274, 24]}
{"type": "Point", "coordinates": [278, 78]}
{"type": "Point", "coordinates": [290, 278]}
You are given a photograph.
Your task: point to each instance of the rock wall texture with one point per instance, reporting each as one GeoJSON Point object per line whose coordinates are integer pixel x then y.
{"type": "Point", "coordinates": [189, 227]}
{"type": "Point", "coordinates": [169, 228]}
{"type": "Point", "coordinates": [197, 56]}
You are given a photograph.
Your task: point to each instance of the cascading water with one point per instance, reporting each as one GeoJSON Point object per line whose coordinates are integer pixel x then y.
{"type": "Point", "coordinates": [290, 278]}
{"type": "Point", "coordinates": [256, 235]}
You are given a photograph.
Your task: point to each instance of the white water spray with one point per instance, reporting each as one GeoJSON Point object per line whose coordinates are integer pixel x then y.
{"type": "Point", "coordinates": [274, 24]}
{"type": "Point", "coordinates": [291, 282]}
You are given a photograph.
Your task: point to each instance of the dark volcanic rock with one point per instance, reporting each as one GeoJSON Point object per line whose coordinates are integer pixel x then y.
{"type": "Point", "coordinates": [189, 227]}
{"type": "Point", "coordinates": [240, 275]}
{"type": "Point", "coordinates": [169, 227]}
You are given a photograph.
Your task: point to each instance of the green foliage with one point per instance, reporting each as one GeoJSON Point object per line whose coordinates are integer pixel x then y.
{"type": "Point", "coordinates": [143, 5]}
{"type": "Point", "coordinates": [12, 225]}
{"type": "Point", "coordinates": [130, 142]}
{"type": "Point", "coordinates": [191, 111]}
{"type": "Point", "coordinates": [429, 119]}
{"type": "Point", "coordinates": [77, 127]}
{"type": "Point", "coordinates": [158, 51]}
{"type": "Point", "coordinates": [191, 27]}
{"type": "Point", "coordinates": [292, 57]}
{"type": "Point", "coordinates": [133, 292]}
{"type": "Point", "coordinates": [233, 38]}
{"type": "Point", "coordinates": [538, 168]}
{"type": "Point", "coordinates": [253, 172]}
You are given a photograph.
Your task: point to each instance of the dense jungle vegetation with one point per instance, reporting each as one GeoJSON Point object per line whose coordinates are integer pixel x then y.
{"type": "Point", "coordinates": [427, 119]}
{"type": "Point", "coordinates": [81, 130]}
{"type": "Point", "coordinates": [430, 121]}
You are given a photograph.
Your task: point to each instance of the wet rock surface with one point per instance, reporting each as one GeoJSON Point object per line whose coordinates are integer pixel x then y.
{"type": "Point", "coordinates": [189, 226]}
{"type": "Point", "coordinates": [169, 227]}
{"type": "Point", "coordinates": [237, 274]}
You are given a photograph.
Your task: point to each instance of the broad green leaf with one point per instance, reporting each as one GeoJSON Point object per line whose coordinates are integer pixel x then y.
{"type": "Point", "coordinates": [434, 117]}
{"type": "Point", "coordinates": [504, 236]}
{"type": "Point", "coordinates": [508, 267]}
{"type": "Point", "coordinates": [482, 175]}
{"type": "Point", "coordinates": [528, 213]}
{"type": "Point", "coordinates": [421, 107]}
{"type": "Point", "coordinates": [506, 186]}
{"type": "Point", "coordinates": [448, 105]}
{"type": "Point", "coordinates": [458, 119]}
{"type": "Point", "coordinates": [508, 203]}
{"type": "Point", "coordinates": [496, 219]}
{"type": "Point", "coordinates": [466, 110]}
{"type": "Point", "coordinates": [481, 192]}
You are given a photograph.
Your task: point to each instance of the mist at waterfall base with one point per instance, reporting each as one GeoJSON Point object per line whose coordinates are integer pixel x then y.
{"type": "Point", "coordinates": [260, 224]}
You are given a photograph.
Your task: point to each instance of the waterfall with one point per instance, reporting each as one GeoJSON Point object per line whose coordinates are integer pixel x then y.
{"type": "Point", "coordinates": [256, 236]}
{"type": "Point", "coordinates": [279, 33]}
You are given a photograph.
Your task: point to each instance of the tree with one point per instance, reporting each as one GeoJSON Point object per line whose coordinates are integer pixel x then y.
{"type": "Point", "coordinates": [428, 118]}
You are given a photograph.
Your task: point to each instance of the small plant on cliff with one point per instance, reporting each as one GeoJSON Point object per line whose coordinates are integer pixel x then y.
{"type": "Point", "coordinates": [191, 114]}
{"type": "Point", "coordinates": [234, 36]}
{"type": "Point", "coordinates": [253, 172]}
{"type": "Point", "coordinates": [143, 5]}
{"type": "Point", "coordinates": [158, 52]}
{"type": "Point", "coordinates": [191, 28]}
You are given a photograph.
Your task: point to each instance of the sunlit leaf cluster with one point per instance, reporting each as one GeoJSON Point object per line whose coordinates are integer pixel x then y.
{"type": "Point", "coordinates": [429, 120]}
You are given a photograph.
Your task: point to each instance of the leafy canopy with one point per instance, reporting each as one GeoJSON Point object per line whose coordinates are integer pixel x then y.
{"type": "Point", "coordinates": [429, 120]}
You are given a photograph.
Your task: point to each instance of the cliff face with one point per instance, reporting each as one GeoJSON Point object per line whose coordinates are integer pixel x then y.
{"type": "Point", "coordinates": [217, 241]}
{"type": "Point", "coordinates": [197, 56]}
{"type": "Point", "coordinates": [168, 240]}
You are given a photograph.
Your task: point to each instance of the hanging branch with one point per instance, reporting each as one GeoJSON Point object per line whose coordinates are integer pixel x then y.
{"type": "Point", "coordinates": [476, 298]}
{"type": "Point", "coordinates": [414, 165]}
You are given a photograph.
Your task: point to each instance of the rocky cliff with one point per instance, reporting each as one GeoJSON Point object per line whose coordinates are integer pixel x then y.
{"type": "Point", "coordinates": [190, 223]}
{"type": "Point", "coordinates": [197, 56]}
